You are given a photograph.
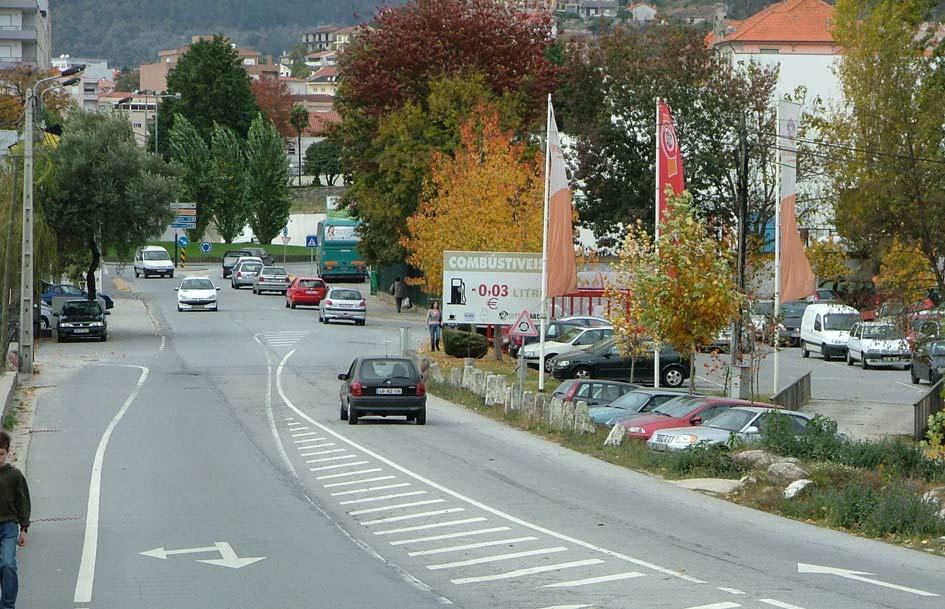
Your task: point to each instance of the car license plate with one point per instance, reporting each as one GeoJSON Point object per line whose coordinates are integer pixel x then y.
{"type": "Point", "coordinates": [81, 330]}
{"type": "Point", "coordinates": [312, 292]}
{"type": "Point", "coordinates": [389, 391]}
{"type": "Point", "coordinates": [196, 307]}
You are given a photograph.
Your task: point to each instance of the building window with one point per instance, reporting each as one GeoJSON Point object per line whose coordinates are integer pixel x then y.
{"type": "Point", "coordinates": [770, 51]}
{"type": "Point", "coordinates": [137, 125]}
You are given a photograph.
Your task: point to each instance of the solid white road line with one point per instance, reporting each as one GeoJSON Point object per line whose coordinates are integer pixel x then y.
{"type": "Point", "coordinates": [913, 387]}
{"type": "Point", "coordinates": [370, 489]}
{"type": "Point", "coordinates": [529, 571]}
{"type": "Point", "coordinates": [464, 498]}
{"type": "Point", "coordinates": [323, 452]}
{"type": "Point", "coordinates": [310, 433]}
{"type": "Point", "coordinates": [344, 474]}
{"type": "Point", "coordinates": [595, 580]}
{"type": "Point", "coordinates": [423, 527]}
{"type": "Point", "coordinates": [496, 558]}
{"type": "Point", "coordinates": [322, 468]}
{"type": "Point", "coordinates": [365, 481]}
{"type": "Point", "coordinates": [451, 535]}
{"type": "Point", "coordinates": [397, 506]}
{"type": "Point", "coordinates": [86, 577]}
{"type": "Point", "coordinates": [368, 523]}
{"type": "Point", "coordinates": [472, 546]}
{"type": "Point", "coordinates": [725, 605]}
{"type": "Point", "coordinates": [779, 604]}
{"type": "Point", "coordinates": [734, 591]}
{"type": "Point", "coordinates": [325, 459]}
{"type": "Point", "coordinates": [382, 497]}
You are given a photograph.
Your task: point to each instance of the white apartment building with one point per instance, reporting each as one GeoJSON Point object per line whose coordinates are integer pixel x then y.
{"type": "Point", "coordinates": [25, 35]}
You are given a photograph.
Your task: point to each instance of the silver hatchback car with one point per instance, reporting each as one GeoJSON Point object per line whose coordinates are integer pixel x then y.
{"type": "Point", "coordinates": [244, 273]}
{"type": "Point", "coordinates": [343, 303]}
{"type": "Point", "coordinates": [271, 279]}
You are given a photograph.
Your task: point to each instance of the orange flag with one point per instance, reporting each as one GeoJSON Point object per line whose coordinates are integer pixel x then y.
{"type": "Point", "coordinates": [797, 278]}
{"type": "Point", "coordinates": [562, 273]}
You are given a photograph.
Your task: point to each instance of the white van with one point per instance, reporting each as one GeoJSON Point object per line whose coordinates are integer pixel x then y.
{"type": "Point", "coordinates": [153, 260]}
{"type": "Point", "coordinates": [825, 329]}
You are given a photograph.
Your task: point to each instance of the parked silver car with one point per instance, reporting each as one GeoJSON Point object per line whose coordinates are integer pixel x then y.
{"type": "Point", "coordinates": [745, 422]}
{"type": "Point", "coordinates": [271, 279]}
{"type": "Point", "coordinates": [244, 273]}
{"type": "Point", "coordinates": [343, 303]}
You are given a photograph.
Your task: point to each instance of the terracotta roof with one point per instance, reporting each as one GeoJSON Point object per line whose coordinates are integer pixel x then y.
{"type": "Point", "coordinates": [787, 21]}
{"type": "Point", "coordinates": [320, 122]}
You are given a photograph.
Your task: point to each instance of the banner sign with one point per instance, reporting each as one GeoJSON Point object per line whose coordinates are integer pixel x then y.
{"type": "Point", "coordinates": [490, 287]}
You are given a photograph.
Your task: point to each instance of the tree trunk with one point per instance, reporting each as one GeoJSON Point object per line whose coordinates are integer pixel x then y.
{"type": "Point", "coordinates": [633, 370]}
{"type": "Point", "coordinates": [90, 273]}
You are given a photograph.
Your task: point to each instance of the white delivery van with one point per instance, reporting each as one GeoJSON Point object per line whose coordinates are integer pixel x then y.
{"type": "Point", "coordinates": [825, 329]}
{"type": "Point", "coordinates": [153, 260]}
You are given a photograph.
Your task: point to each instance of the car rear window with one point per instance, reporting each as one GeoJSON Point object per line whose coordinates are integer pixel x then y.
{"type": "Point", "coordinates": [81, 308]}
{"type": "Point", "coordinates": [379, 369]}
{"type": "Point", "coordinates": [235, 255]}
{"type": "Point", "coordinates": [346, 295]}
{"type": "Point", "coordinates": [275, 272]}
{"type": "Point", "coordinates": [251, 267]}
{"type": "Point", "coordinates": [311, 283]}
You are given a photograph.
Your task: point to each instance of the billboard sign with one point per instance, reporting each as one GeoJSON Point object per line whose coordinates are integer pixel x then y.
{"type": "Point", "coordinates": [490, 287]}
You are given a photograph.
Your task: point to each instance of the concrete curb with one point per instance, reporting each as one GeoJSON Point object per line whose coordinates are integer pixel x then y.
{"type": "Point", "coordinates": [8, 384]}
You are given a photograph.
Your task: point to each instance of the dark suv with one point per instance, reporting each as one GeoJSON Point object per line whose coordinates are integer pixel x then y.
{"type": "Point", "coordinates": [81, 319]}
{"type": "Point", "coordinates": [231, 256]}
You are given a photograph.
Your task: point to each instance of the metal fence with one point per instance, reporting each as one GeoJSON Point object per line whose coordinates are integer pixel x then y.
{"type": "Point", "coordinates": [927, 405]}
{"type": "Point", "coordinates": [794, 395]}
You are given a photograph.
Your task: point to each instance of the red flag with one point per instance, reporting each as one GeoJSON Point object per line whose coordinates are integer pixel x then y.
{"type": "Point", "coordinates": [669, 161]}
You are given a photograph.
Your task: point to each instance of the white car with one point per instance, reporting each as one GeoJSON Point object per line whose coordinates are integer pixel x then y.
{"type": "Point", "coordinates": [343, 303]}
{"type": "Point", "coordinates": [197, 294]}
{"type": "Point", "coordinates": [153, 260]}
{"type": "Point", "coordinates": [572, 340]}
{"type": "Point", "coordinates": [878, 344]}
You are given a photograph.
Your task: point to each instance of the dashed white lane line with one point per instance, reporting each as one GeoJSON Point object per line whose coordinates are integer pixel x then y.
{"type": "Point", "coordinates": [365, 481]}
{"type": "Point", "coordinates": [370, 489]}
{"type": "Point", "coordinates": [382, 497]}
{"type": "Point", "coordinates": [595, 580]}
{"type": "Point", "coordinates": [322, 468]}
{"type": "Point", "coordinates": [496, 558]}
{"type": "Point", "coordinates": [472, 546]}
{"type": "Point", "coordinates": [294, 429]}
{"type": "Point", "coordinates": [397, 506]}
{"type": "Point", "coordinates": [324, 452]}
{"type": "Point", "coordinates": [734, 591]}
{"type": "Point", "coordinates": [530, 571]}
{"type": "Point", "coordinates": [725, 605]}
{"type": "Point", "coordinates": [461, 534]}
{"type": "Point", "coordinates": [423, 527]}
{"type": "Point", "coordinates": [368, 523]}
{"type": "Point", "coordinates": [313, 446]}
{"type": "Point", "coordinates": [327, 459]}
{"type": "Point", "coordinates": [779, 604]}
{"type": "Point", "coordinates": [308, 433]}
{"type": "Point", "coordinates": [307, 440]}
{"type": "Point", "coordinates": [344, 474]}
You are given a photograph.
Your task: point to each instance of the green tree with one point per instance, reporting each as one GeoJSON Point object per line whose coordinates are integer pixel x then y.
{"type": "Point", "coordinates": [214, 88]}
{"type": "Point", "coordinates": [323, 158]}
{"type": "Point", "coordinates": [191, 157]}
{"type": "Point", "coordinates": [267, 180]}
{"type": "Point", "coordinates": [129, 79]}
{"type": "Point", "coordinates": [300, 69]}
{"type": "Point", "coordinates": [298, 118]}
{"type": "Point", "coordinates": [105, 192]}
{"type": "Point", "coordinates": [230, 211]}
{"type": "Point", "coordinates": [884, 147]}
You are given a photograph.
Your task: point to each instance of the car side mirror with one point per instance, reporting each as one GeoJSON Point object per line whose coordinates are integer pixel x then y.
{"type": "Point", "coordinates": [218, 288]}
{"type": "Point", "coordinates": [343, 376]}
{"type": "Point", "coordinates": [752, 430]}
{"type": "Point", "coordinates": [176, 289]}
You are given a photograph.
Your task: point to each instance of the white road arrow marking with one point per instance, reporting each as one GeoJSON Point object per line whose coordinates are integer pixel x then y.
{"type": "Point", "coordinates": [228, 557]}
{"type": "Point", "coordinates": [858, 576]}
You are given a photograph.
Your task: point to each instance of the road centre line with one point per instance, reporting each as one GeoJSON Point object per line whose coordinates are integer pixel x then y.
{"type": "Point", "coordinates": [397, 506]}
{"type": "Point", "coordinates": [423, 527]}
{"type": "Point", "coordinates": [326, 459]}
{"type": "Point", "coordinates": [448, 535]}
{"type": "Point", "coordinates": [472, 546]}
{"type": "Point", "coordinates": [496, 558]}
{"type": "Point", "coordinates": [370, 489]}
{"type": "Point", "coordinates": [365, 481]}
{"type": "Point", "coordinates": [382, 497]}
{"type": "Point", "coordinates": [725, 605]}
{"type": "Point", "coordinates": [468, 500]}
{"type": "Point", "coordinates": [322, 468]}
{"type": "Point", "coordinates": [324, 452]}
{"type": "Point", "coordinates": [529, 571]}
{"type": "Point", "coordinates": [779, 604]}
{"type": "Point", "coordinates": [413, 516]}
{"type": "Point", "coordinates": [344, 474]}
{"type": "Point", "coordinates": [595, 580]}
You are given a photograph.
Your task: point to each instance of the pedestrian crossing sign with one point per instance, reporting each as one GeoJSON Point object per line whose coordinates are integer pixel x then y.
{"type": "Point", "coordinates": [311, 241]}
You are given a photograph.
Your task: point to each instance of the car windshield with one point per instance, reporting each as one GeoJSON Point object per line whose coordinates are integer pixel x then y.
{"type": "Point", "coordinates": [882, 333]}
{"type": "Point", "coordinates": [250, 267]}
{"type": "Point", "coordinates": [196, 283]}
{"type": "Point", "coordinates": [571, 334]}
{"type": "Point", "coordinates": [731, 419]}
{"type": "Point", "coordinates": [379, 369]}
{"type": "Point", "coordinates": [71, 290]}
{"type": "Point", "coordinates": [311, 283]}
{"type": "Point", "coordinates": [275, 272]}
{"type": "Point", "coordinates": [346, 295]}
{"type": "Point", "coordinates": [154, 255]}
{"type": "Point", "coordinates": [604, 346]}
{"type": "Point", "coordinates": [631, 401]}
{"type": "Point", "coordinates": [937, 348]}
{"type": "Point", "coordinates": [81, 308]}
{"type": "Point", "coordinates": [840, 321]}
{"type": "Point", "coordinates": [678, 407]}
{"type": "Point", "coordinates": [793, 309]}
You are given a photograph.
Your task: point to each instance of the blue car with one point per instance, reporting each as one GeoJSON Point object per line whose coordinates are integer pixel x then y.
{"type": "Point", "coordinates": [629, 404]}
{"type": "Point", "coordinates": [59, 290]}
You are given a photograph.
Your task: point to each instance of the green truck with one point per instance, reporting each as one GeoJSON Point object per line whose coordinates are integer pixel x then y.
{"type": "Point", "coordinates": [338, 255]}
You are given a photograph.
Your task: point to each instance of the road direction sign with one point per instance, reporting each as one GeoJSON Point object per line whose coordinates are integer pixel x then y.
{"type": "Point", "coordinates": [184, 225]}
{"type": "Point", "coordinates": [228, 557]}
{"type": "Point", "coordinates": [185, 219]}
{"type": "Point", "coordinates": [523, 326]}
{"type": "Point", "coordinates": [183, 241]}
{"type": "Point", "coordinates": [205, 247]}
{"type": "Point", "coordinates": [311, 241]}
{"type": "Point", "coordinates": [183, 206]}
{"type": "Point", "coordinates": [186, 212]}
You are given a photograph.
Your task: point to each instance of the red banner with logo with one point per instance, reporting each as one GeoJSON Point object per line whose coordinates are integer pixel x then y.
{"type": "Point", "coordinates": [669, 162]}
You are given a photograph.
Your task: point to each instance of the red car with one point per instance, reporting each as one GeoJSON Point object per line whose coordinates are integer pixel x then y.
{"type": "Point", "coordinates": [684, 411]}
{"type": "Point", "coordinates": [307, 291]}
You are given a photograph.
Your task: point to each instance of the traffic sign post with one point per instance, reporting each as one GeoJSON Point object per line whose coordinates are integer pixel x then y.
{"type": "Point", "coordinates": [523, 327]}
{"type": "Point", "coordinates": [206, 247]}
{"type": "Point", "coordinates": [185, 215]}
{"type": "Point", "coordinates": [183, 242]}
{"type": "Point", "coordinates": [285, 241]}
{"type": "Point", "coordinates": [311, 242]}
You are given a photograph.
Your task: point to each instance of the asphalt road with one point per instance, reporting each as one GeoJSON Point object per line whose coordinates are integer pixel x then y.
{"type": "Point", "coordinates": [223, 428]}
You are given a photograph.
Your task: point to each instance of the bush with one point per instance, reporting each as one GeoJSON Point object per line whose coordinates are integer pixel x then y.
{"type": "Point", "coordinates": [711, 460]}
{"type": "Point", "coordinates": [464, 344]}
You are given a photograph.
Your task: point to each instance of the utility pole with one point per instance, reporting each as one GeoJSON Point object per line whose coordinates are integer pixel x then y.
{"type": "Point", "coordinates": [741, 173]}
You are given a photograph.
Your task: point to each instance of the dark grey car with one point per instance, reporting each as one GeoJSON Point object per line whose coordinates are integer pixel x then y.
{"type": "Point", "coordinates": [382, 386]}
{"type": "Point", "coordinates": [271, 279]}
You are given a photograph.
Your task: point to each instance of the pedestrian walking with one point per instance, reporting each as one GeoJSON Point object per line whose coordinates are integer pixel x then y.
{"type": "Point", "coordinates": [399, 290]}
{"type": "Point", "coordinates": [14, 521]}
{"type": "Point", "coordinates": [434, 324]}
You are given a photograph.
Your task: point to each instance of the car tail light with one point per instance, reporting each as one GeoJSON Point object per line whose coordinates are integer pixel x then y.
{"type": "Point", "coordinates": [357, 388]}
{"type": "Point", "coordinates": [262, 279]}
{"type": "Point", "coordinates": [239, 274]}
{"type": "Point", "coordinates": [362, 304]}
{"type": "Point", "coordinates": [569, 396]}
{"type": "Point", "coordinates": [327, 303]}
{"type": "Point", "coordinates": [421, 389]}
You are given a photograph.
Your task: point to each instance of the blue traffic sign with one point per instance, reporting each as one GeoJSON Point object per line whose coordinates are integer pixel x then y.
{"type": "Point", "coordinates": [205, 247]}
{"type": "Point", "coordinates": [183, 241]}
{"type": "Point", "coordinates": [311, 241]}
{"type": "Point", "coordinates": [285, 231]}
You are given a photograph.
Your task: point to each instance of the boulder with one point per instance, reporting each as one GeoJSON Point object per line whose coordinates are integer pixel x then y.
{"type": "Point", "coordinates": [753, 459]}
{"type": "Point", "coordinates": [797, 488]}
{"type": "Point", "coordinates": [936, 498]}
{"type": "Point", "coordinates": [783, 471]}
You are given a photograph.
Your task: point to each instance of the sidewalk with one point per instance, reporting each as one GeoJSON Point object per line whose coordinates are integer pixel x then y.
{"type": "Point", "coordinates": [862, 420]}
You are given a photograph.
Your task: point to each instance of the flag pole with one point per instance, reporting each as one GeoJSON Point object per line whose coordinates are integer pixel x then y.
{"type": "Point", "coordinates": [656, 238]}
{"type": "Point", "coordinates": [777, 239]}
{"type": "Point", "coordinates": [544, 254]}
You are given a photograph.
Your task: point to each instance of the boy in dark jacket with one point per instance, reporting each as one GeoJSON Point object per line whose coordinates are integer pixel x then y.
{"type": "Point", "coordinates": [14, 521]}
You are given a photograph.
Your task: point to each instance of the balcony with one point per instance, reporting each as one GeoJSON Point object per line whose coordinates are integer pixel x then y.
{"type": "Point", "coordinates": [21, 4]}
{"type": "Point", "coordinates": [17, 32]}
{"type": "Point", "coordinates": [12, 61]}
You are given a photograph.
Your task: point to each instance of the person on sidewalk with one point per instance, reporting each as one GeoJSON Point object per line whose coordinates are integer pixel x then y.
{"type": "Point", "coordinates": [434, 324]}
{"type": "Point", "coordinates": [399, 290]}
{"type": "Point", "coordinates": [14, 521]}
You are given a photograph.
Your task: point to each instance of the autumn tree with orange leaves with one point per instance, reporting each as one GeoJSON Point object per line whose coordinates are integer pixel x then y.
{"type": "Point", "coordinates": [488, 197]}
{"type": "Point", "coordinates": [275, 102]}
{"type": "Point", "coordinates": [16, 82]}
